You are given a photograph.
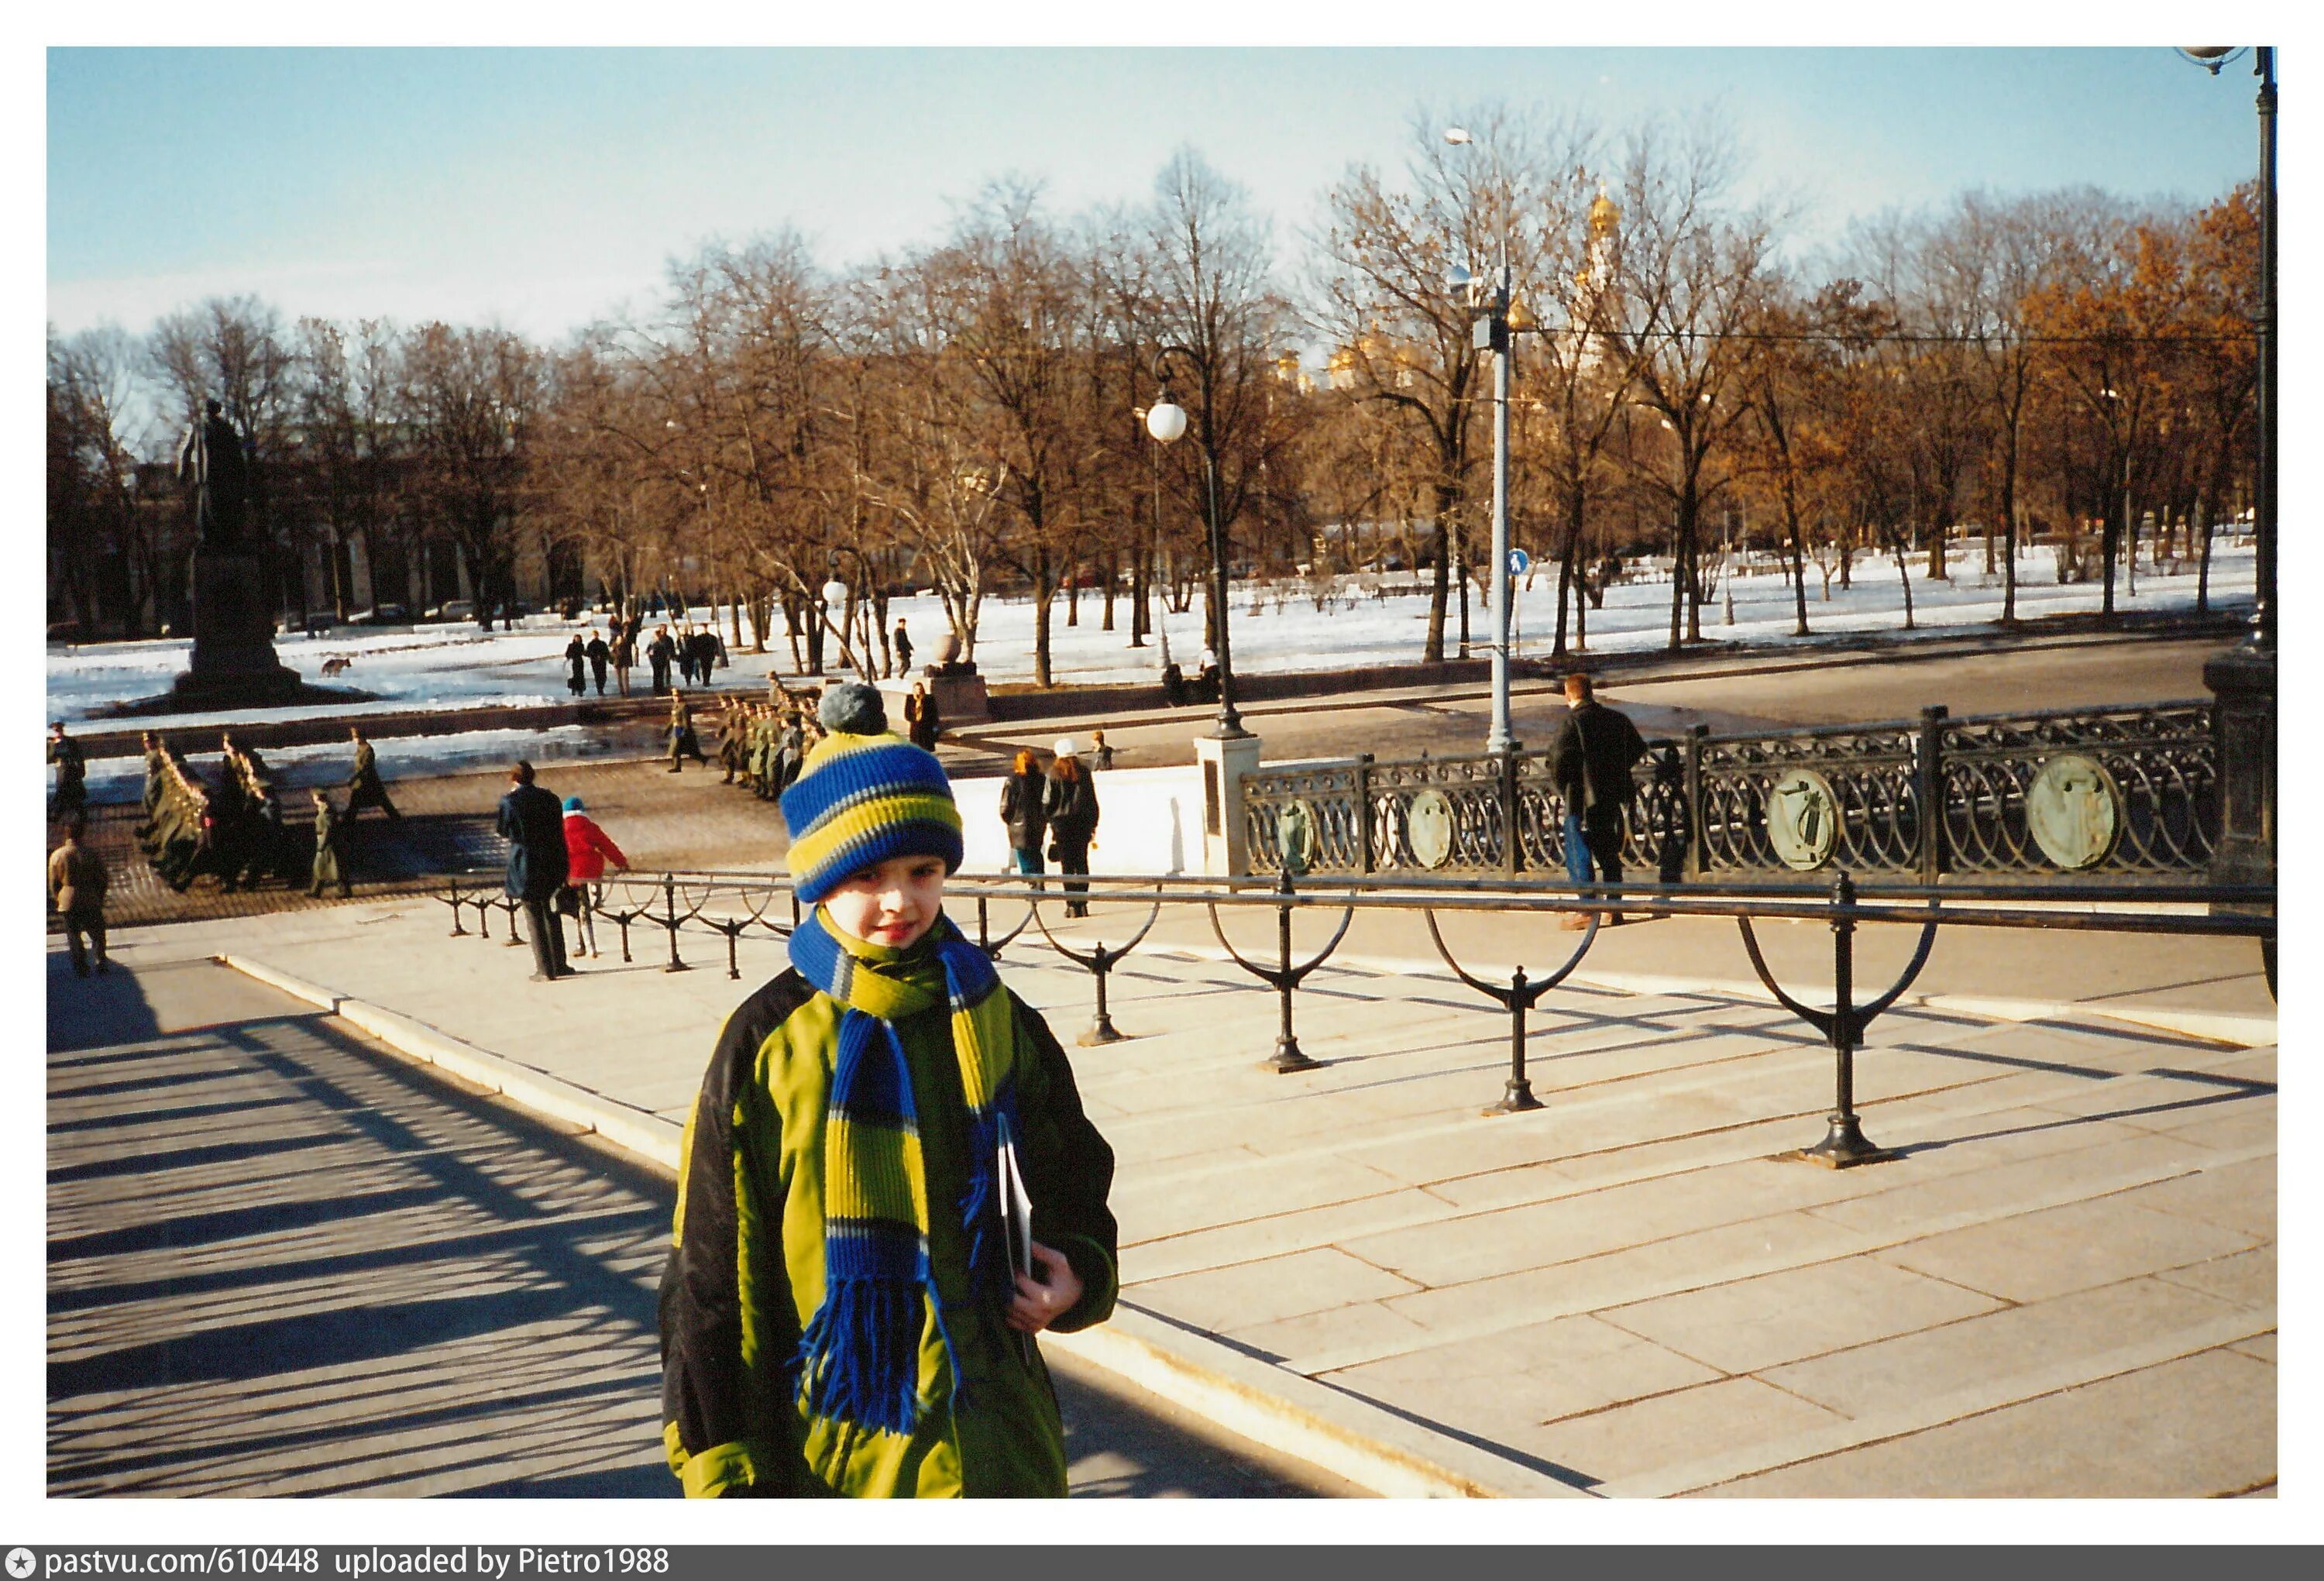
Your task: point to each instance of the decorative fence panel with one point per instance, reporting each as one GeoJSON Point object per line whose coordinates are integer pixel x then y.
{"type": "Point", "coordinates": [2066, 793]}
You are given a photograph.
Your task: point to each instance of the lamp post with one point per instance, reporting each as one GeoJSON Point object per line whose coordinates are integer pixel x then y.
{"type": "Point", "coordinates": [1492, 333]}
{"type": "Point", "coordinates": [1727, 580]}
{"type": "Point", "coordinates": [1166, 419]}
{"type": "Point", "coordinates": [834, 607]}
{"type": "Point", "coordinates": [2242, 677]}
{"type": "Point", "coordinates": [2263, 514]}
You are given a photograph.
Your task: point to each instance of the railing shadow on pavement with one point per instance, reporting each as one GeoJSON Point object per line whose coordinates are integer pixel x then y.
{"type": "Point", "coordinates": [731, 903]}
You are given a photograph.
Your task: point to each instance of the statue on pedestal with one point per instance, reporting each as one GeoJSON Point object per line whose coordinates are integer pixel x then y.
{"type": "Point", "coordinates": [211, 459]}
{"type": "Point", "coordinates": [233, 660]}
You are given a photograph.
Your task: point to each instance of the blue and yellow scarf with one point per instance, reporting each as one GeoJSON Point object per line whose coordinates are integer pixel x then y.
{"type": "Point", "coordinates": [858, 1359]}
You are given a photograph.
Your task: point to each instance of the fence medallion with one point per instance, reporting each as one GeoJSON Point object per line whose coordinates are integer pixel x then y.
{"type": "Point", "coordinates": [2074, 811]}
{"type": "Point", "coordinates": [1802, 819]}
{"type": "Point", "coordinates": [1428, 827]}
{"type": "Point", "coordinates": [1295, 836]}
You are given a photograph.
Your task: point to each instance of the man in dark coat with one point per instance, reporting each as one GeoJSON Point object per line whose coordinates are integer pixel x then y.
{"type": "Point", "coordinates": [922, 720]}
{"type": "Point", "coordinates": [658, 653]}
{"type": "Point", "coordinates": [575, 655]}
{"type": "Point", "coordinates": [1072, 812]}
{"type": "Point", "coordinates": [599, 657]}
{"type": "Point", "coordinates": [364, 788]}
{"type": "Point", "coordinates": [902, 643]}
{"type": "Point", "coordinates": [1590, 760]}
{"type": "Point", "coordinates": [532, 821]}
{"type": "Point", "coordinates": [72, 776]}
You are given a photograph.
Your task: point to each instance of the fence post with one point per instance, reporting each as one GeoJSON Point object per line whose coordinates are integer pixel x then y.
{"type": "Point", "coordinates": [458, 931]}
{"type": "Point", "coordinates": [1928, 785]}
{"type": "Point", "coordinates": [1364, 812]}
{"type": "Point", "coordinates": [1694, 818]}
{"type": "Point", "coordinates": [1844, 1142]}
{"type": "Point", "coordinates": [1518, 1097]}
{"type": "Point", "coordinates": [669, 908]}
{"type": "Point", "coordinates": [1289, 1056]}
{"type": "Point", "coordinates": [1512, 858]}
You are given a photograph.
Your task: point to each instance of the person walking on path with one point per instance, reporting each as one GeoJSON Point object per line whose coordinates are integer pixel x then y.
{"type": "Point", "coordinates": [77, 884]}
{"type": "Point", "coordinates": [923, 720]}
{"type": "Point", "coordinates": [587, 849]}
{"type": "Point", "coordinates": [902, 644]}
{"type": "Point", "coordinates": [1591, 761]}
{"type": "Point", "coordinates": [330, 836]}
{"type": "Point", "coordinates": [622, 653]}
{"type": "Point", "coordinates": [1024, 808]}
{"type": "Point", "coordinates": [575, 655]}
{"type": "Point", "coordinates": [533, 824]}
{"type": "Point", "coordinates": [850, 1305]}
{"type": "Point", "coordinates": [658, 653]}
{"type": "Point", "coordinates": [599, 657]}
{"type": "Point", "coordinates": [1072, 808]}
{"type": "Point", "coordinates": [683, 742]}
{"type": "Point", "coordinates": [365, 788]}
{"type": "Point", "coordinates": [71, 799]}
{"type": "Point", "coordinates": [1101, 755]}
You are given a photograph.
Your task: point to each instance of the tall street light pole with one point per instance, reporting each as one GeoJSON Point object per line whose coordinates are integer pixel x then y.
{"type": "Point", "coordinates": [1166, 419]}
{"type": "Point", "coordinates": [2243, 678]}
{"type": "Point", "coordinates": [1492, 333]}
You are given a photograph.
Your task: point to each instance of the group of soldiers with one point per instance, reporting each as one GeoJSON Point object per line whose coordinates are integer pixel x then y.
{"type": "Point", "coordinates": [232, 827]}
{"type": "Point", "coordinates": [760, 745]}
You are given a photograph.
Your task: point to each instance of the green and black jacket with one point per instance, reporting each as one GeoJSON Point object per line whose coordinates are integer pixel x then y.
{"type": "Point", "coordinates": [745, 1271]}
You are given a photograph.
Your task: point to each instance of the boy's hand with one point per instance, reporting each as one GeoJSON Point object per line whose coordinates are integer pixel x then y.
{"type": "Point", "coordinates": [1042, 1301]}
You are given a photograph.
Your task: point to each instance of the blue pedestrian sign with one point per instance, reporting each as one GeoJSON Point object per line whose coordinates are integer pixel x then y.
{"type": "Point", "coordinates": [1519, 562]}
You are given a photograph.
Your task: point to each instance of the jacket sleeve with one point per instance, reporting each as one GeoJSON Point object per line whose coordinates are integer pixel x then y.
{"type": "Point", "coordinates": [607, 848]}
{"type": "Point", "coordinates": [1068, 1171]}
{"type": "Point", "coordinates": [727, 1433]}
{"type": "Point", "coordinates": [1634, 745]}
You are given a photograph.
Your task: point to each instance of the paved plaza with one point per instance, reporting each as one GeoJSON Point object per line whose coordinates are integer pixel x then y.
{"type": "Point", "coordinates": [2065, 1286]}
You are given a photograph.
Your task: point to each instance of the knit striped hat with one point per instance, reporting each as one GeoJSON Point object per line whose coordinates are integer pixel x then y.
{"type": "Point", "coordinates": [864, 795]}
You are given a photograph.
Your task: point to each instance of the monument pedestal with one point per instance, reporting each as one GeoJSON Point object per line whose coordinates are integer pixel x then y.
{"type": "Point", "coordinates": [1226, 848]}
{"type": "Point", "coordinates": [958, 690]}
{"type": "Point", "coordinates": [234, 661]}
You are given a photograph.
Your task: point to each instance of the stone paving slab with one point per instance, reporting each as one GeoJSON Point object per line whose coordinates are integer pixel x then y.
{"type": "Point", "coordinates": [1617, 1286]}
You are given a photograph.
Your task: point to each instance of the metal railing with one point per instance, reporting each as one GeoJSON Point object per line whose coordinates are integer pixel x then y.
{"type": "Point", "coordinates": [734, 906]}
{"type": "Point", "coordinates": [2072, 793]}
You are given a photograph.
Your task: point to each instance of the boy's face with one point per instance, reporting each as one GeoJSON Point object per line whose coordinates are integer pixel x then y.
{"type": "Point", "coordinates": [890, 905]}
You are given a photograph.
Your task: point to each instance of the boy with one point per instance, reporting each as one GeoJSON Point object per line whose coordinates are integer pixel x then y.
{"type": "Point", "coordinates": [840, 1312]}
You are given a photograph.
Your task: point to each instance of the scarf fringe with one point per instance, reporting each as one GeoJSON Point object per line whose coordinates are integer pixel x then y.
{"type": "Point", "coordinates": [859, 1360]}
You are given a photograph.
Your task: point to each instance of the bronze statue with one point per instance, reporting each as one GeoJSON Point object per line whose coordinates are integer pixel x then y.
{"type": "Point", "coordinates": [211, 459]}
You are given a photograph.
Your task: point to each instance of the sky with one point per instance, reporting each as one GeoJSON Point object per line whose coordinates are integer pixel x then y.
{"type": "Point", "coordinates": [539, 188]}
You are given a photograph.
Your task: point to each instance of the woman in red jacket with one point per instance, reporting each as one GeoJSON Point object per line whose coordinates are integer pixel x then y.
{"type": "Point", "coordinates": [587, 849]}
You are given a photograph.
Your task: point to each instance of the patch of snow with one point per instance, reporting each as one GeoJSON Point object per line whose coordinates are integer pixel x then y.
{"type": "Point", "coordinates": [446, 666]}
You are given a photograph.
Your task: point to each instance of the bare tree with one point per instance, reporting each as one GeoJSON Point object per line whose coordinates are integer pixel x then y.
{"type": "Point", "coordinates": [1690, 273]}
{"type": "Point", "coordinates": [473, 398]}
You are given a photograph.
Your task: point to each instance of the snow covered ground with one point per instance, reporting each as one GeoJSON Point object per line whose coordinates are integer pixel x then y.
{"type": "Point", "coordinates": [458, 666]}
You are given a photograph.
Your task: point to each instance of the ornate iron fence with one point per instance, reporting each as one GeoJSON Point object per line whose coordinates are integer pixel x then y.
{"type": "Point", "coordinates": [2066, 793]}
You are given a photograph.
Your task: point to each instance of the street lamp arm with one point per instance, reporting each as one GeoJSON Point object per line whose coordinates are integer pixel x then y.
{"type": "Point", "coordinates": [1162, 355]}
